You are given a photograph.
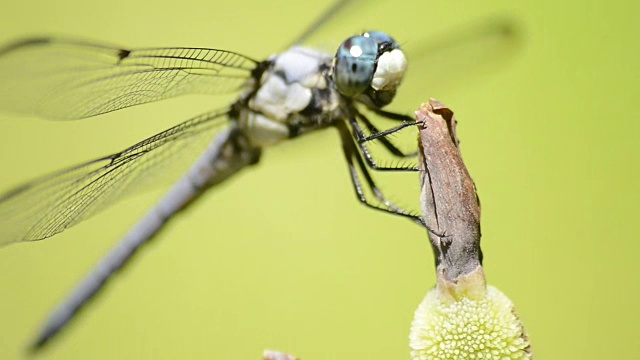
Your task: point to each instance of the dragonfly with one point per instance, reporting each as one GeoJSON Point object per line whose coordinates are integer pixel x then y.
{"type": "Point", "coordinates": [297, 92]}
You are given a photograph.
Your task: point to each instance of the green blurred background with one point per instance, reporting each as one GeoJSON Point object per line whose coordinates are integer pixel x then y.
{"type": "Point", "coordinates": [284, 257]}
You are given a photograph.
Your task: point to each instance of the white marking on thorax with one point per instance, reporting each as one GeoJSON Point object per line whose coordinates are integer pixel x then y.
{"type": "Point", "coordinates": [286, 88]}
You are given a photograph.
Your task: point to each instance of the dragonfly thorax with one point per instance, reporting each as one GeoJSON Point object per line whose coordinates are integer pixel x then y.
{"type": "Point", "coordinates": [293, 95]}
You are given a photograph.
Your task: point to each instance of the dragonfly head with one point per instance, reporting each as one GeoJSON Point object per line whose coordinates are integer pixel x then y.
{"type": "Point", "coordinates": [369, 67]}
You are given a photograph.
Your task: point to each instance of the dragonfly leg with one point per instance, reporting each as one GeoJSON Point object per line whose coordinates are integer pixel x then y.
{"type": "Point", "coordinates": [381, 136]}
{"type": "Point", "coordinates": [360, 139]}
{"type": "Point", "coordinates": [375, 134]}
{"type": "Point", "coordinates": [353, 158]}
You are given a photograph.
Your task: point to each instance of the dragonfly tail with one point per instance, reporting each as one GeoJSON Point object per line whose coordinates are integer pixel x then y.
{"type": "Point", "coordinates": [227, 155]}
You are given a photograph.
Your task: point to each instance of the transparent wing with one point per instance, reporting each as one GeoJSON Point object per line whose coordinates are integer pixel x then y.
{"type": "Point", "coordinates": [441, 54]}
{"type": "Point", "coordinates": [70, 79]}
{"type": "Point", "coordinates": [46, 206]}
{"type": "Point", "coordinates": [458, 55]}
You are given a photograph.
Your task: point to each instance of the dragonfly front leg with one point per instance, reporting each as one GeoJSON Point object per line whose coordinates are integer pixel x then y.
{"type": "Point", "coordinates": [375, 134]}
{"type": "Point", "coordinates": [355, 162]}
{"type": "Point", "coordinates": [361, 139]}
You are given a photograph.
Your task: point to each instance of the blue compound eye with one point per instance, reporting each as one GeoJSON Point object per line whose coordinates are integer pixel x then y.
{"type": "Point", "coordinates": [355, 65]}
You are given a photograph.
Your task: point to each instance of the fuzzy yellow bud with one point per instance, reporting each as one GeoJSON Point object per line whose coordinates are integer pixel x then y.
{"type": "Point", "coordinates": [467, 328]}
